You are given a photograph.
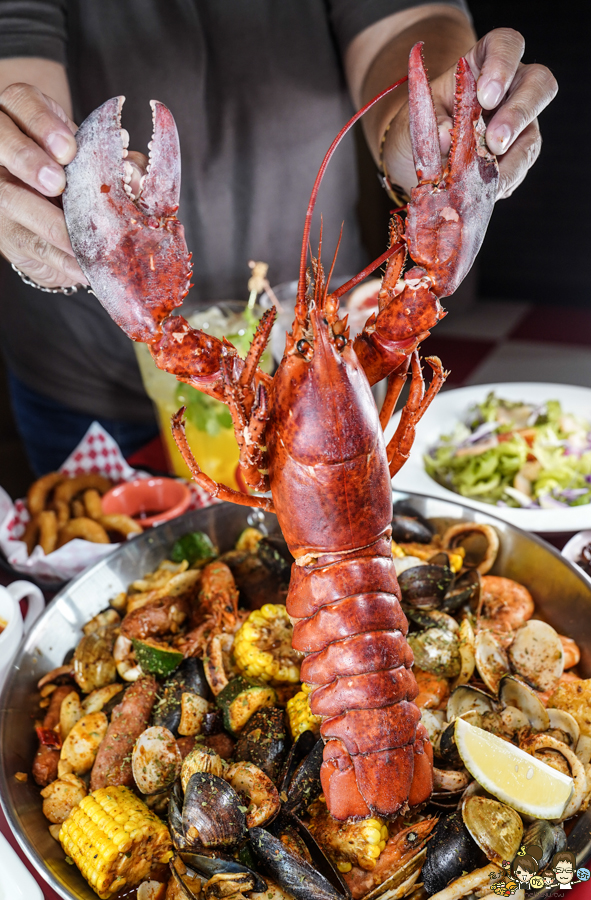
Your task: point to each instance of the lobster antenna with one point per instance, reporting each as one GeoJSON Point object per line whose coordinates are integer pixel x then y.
{"type": "Point", "coordinates": [334, 259]}
{"type": "Point", "coordinates": [318, 284]}
{"type": "Point", "coordinates": [320, 176]}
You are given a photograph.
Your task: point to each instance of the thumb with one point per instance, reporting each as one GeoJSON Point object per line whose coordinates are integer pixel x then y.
{"type": "Point", "coordinates": [136, 168]}
{"type": "Point", "coordinates": [444, 126]}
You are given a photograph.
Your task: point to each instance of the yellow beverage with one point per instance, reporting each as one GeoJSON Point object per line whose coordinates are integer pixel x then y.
{"type": "Point", "coordinates": [208, 424]}
{"type": "Point", "coordinates": [217, 455]}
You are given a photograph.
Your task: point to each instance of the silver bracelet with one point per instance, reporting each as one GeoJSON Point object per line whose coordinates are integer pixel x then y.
{"type": "Point", "coordinates": [73, 289]}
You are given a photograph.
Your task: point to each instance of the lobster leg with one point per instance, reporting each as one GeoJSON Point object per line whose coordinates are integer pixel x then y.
{"type": "Point", "coordinates": [418, 402]}
{"type": "Point", "coordinates": [220, 491]}
{"type": "Point", "coordinates": [396, 381]}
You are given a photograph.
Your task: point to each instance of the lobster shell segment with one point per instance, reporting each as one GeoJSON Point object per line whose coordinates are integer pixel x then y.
{"type": "Point", "coordinates": [133, 253]}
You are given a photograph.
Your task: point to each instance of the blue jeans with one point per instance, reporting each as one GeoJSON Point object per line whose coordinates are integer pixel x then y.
{"type": "Point", "coordinates": [50, 431]}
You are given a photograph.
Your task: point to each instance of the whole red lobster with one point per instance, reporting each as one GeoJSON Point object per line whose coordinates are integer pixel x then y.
{"type": "Point", "coordinates": [311, 434]}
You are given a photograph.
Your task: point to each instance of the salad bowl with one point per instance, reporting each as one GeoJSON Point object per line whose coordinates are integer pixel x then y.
{"type": "Point", "coordinates": [451, 408]}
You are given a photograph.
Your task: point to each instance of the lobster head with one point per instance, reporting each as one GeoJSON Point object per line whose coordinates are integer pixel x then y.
{"type": "Point", "coordinates": [451, 206]}
{"type": "Point", "coordinates": [132, 250]}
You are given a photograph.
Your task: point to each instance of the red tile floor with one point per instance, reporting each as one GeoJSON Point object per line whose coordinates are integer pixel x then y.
{"type": "Point", "coordinates": [490, 341]}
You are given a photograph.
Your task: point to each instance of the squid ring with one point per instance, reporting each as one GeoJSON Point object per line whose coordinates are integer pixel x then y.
{"type": "Point", "coordinates": [577, 769]}
{"type": "Point", "coordinates": [453, 538]}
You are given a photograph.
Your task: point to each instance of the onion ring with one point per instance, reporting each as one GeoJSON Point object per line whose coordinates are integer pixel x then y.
{"type": "Point", "coordinates": [47, 531]}
{"type": "Point", "coordinates": [78, 509]}
{"type": "Point", "coordinates": [72, 486]}
{"type": "Point", "coordinates": [92, 503]}
{"type": "Point", "coordinates": [39, 490]}
{"type": "Point", "coordinates": [122, 524]}
{"type": "Point", "coordinates": [84, 528]}
{"type": "Point", "coordinates": [62, 511]}
{"type": "Point", "coordinates": [29, 535]}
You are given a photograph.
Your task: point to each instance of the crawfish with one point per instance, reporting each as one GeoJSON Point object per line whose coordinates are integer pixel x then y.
{"type": "Point", "coordinates": [311, 434]}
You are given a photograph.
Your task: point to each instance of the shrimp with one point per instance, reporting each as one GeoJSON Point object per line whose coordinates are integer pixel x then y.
{"type": "Point", "coordinates": [433, 690]}
{"type": "Point", "coordinates": [402, 846]}
{"type": "Point", "coordinates": [216, 611]}
{"type": "Point", "coordinates": [504, 604]}
{"type": "Point", "coordinates": [572, 654]}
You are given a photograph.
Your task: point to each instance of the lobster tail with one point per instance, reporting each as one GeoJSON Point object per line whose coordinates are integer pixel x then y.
{"type": "Point", "coordinates": [359, 664]}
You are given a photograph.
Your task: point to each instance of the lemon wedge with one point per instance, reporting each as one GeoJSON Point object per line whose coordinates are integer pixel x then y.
{"type": "Point", "coordinates": [512, 775]}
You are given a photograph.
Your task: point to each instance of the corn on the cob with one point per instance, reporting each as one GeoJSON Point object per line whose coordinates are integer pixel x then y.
{"type": "Point", "coordinates": [114, 840]}
{"type": "Point", "coordinates": [262, 646]}
{"type": "Point", "coordinates": [456, 556]}
{"type": "Point", "coordinates": [349, 844]}
{"type": "Point", "coordinates": [300, 715]}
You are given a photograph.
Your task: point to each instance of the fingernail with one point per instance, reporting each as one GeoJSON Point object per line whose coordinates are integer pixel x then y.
{"type": "Point", "coordinates": [490, 94]}
{"type": "Point", "coordinates": [58, 145]}
{"type": "Point", "coordinates": [502, 136]}
{"type": "Point", "coordinates": [52, 179]}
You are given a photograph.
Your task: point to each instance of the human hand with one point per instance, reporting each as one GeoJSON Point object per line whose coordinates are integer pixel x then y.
{"type": "Point", "coordinates": [36, 141]}
{"type": "Point", "coordinates": [513, 94]}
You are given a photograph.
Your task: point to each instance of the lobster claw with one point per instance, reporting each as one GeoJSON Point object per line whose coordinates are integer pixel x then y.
{"type": "Point", "coordinates": [450, 208]}
{"type": "Point", "coordinates": [133, 252]}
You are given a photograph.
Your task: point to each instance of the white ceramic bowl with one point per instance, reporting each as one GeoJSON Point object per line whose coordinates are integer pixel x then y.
{"type": "Point", "coordinates": [450, 407]}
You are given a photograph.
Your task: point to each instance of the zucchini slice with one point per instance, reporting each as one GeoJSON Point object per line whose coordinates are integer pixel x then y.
{"type": "Point", "coordinates": [240, 699]}
{"type": "Point", "coordinates": [156, 657]}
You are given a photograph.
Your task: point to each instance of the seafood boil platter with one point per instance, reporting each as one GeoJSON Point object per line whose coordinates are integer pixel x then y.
{"type": "Point", "coordinates": [562, 596]}
{"type": "Point", "coordinates": [223, 711]}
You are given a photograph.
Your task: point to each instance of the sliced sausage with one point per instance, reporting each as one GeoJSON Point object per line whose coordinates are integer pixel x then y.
{"type": "Point", "coordinates": [128, 721]}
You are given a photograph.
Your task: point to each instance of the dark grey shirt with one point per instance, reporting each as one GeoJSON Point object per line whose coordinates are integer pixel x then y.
{"type": "Point", "coordinates": [258, 93]}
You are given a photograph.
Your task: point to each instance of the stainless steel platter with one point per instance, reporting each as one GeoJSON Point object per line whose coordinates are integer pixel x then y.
{"type": "Point", "coordinates": [561, 591]}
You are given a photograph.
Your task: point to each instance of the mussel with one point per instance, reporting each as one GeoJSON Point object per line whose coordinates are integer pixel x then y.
{"type": "Point", "coordinates": [436, 650]}
{"type": "Point", "coordinates": [261, 574]}
{"type": "Point", "coordinates": [209, 866]}
{"type": "Point", "coordinates": [189, 677]}
{"type": "Point", "coordinates": [263, 741]}
{"type": "Point", "coordinates": [408, 525]}
{"type": "Point", "coordinates": [549, 838]}
{"type": "Point", "coordinates": [305, 784]}
{"type": "Point", "coordinates": [424, 587]}
{"type": "Point", "coordinates": [450, 852]}
{"type": "Point", "coordinates": [292, 872]}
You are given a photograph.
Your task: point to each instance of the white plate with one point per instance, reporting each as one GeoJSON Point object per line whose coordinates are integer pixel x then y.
{"type": "Point", "coordinates": [451, 407]}
{"type": "Point", "coordinates": [572, 549]}
{"type": "Point", "coordinates": [16, 882]}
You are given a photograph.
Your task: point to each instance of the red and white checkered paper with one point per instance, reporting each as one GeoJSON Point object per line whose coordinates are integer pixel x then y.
{"type": "Point", "coordinates": [97, 452]}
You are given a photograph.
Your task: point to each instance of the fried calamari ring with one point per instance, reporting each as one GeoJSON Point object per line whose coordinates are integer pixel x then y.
{"type": "Point", "coordinates": [122, 524]}
{"type": "Point", "coordinates": [47, 531]}
{"type": "Point", "coordinates": [84, 528]}
{"type": "Point", "coordinates": [92, 502]}
{"type": "Point", "coordinates": [72, 486]}
{"type": "Point", "coordinates": [30, 533]}
{"type": "Point", "coordinates": [39, 490]}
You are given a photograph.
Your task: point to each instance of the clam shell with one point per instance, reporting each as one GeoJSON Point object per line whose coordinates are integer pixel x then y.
{"type": "Point", "coordinates": [156, 760]}
{"type": "Point", "coordinates": [491, 660]}
{"type": "Point", "coordinates": [514, 693]}
{"type": "Point", "coordinates": [495, 827]}
{"type": "Point", "coordinates": [465, 698]}
{"type": "Point", "coordinates": [537, 655]}
{"type": "Point", "coordinates": [213, 813]}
